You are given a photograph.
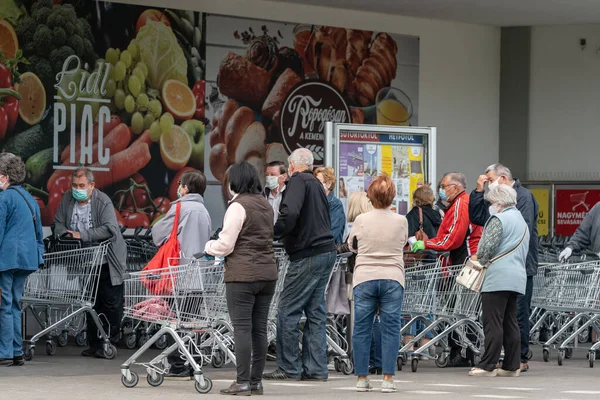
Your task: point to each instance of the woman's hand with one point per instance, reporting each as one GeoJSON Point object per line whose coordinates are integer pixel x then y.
{"type": "Point", "coordinates": [474, 257]}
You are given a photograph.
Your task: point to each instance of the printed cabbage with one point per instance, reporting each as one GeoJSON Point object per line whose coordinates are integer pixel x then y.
{"type": "Point", "coordinates": [161, 53]}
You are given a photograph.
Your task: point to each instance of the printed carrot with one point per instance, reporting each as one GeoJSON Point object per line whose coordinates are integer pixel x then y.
{"type": "Point", "coordinates": [124, 164]}
{"type": "Point", "coordinates": [107, 128]}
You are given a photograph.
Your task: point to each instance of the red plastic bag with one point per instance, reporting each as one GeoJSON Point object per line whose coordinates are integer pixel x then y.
{"type": "Point", "coordinates": [156, 278]}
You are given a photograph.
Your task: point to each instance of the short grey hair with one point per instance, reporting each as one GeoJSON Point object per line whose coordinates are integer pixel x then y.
{"type": "Point", "coordinates": [302, 157]}
{"type": "Point", "coordinates": [500, 170]}
{"type": "Point", "coordinates": [13, 167]}
{"type": "Point", "coordinates": [457, 178]}
{"type": "Point", "coordinates": [503, 195]}
{"type": "Point", "coordinates": [84, 171]}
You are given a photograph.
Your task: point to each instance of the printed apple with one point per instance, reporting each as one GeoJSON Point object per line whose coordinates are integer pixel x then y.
{"type": "Point", "coordinates": [195, 129]}
{"type": "Point", "coordinates": [153, 15]}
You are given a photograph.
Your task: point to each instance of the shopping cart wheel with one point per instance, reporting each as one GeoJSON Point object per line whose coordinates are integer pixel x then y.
{"type": "Point", "coordinates": [337, 365]}
{"type": "Point", "coordinates": [110, 352]}
{"type": "Point", "coordinates": [161, 343]}
{"type": "Point", "coordinates": [50, 348]}
{"type": "Point", "coordinates": [130, 341]}
{"type": "Point", "coordinates": [442, 360]}
{"type": "Point", "coordinates": [142, 340]}
{"type": "Point", "coordinates": [63, 339]}
{"type": "Point", "coordinates": [561, 356]}
{"type": "Point", "coordinates": [131, 382]}
{"type": "Point", "coordinates": [400, 363]}
{"type": "Point", "coordinates": [347, 367]}
{"type": "Point", "coordinates": [546, 355]}
{"type": "Point", "coordinates": [218, 359]}
{"type": "Point", "coordinates": [414, 364]}
{"type": "Point", "coordinates": [204, 388]}
{"type": "Point", "coordinates": [568, 353]}
{"type": "Point", "coordinates": [592, 358]}
{"type": "Point", "coordinates": [529, 354]}
{"type": "Point", "coordinates": [81, 339]}
{"type": "Point", "coordinates": [157, 381]}
{"type": "Point", "coordinates": [28, 353]}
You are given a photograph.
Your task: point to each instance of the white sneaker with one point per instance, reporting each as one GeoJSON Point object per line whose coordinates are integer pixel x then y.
{"type": "Point", "coordinates": [363, 385]}
{"type": "Point", "coordinates": [505, 373]}
{"type": "Point", "coordinates": [388, 386]}
{"type": "Point", "coordinates": [482, 372]}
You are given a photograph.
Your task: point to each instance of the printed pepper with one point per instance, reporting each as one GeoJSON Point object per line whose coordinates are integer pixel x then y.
{"type": "Point", "coordinates": [9, 102]}
{"type": "Point", "coordinates": [199, 91]}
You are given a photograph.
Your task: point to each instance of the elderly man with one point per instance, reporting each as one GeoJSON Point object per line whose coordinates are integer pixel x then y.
{"type": "Point", "coordinates": [276, 175]}
{"type": "Point", "coordinates": [498, 174]}
{"type": "Point", "coordinates": [305, 227]}
{"type": "Point", "coordinates": [88, 214]}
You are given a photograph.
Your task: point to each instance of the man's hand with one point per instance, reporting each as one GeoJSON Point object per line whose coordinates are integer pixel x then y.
{"type": "Point", "coordinates": [76, 235]}
{"type": "Point", "coordinates": [419, 245]}
{"type": "Point", "coordinates": [481, 183]}
{"type": "Point", "coordinates": [565, 254]}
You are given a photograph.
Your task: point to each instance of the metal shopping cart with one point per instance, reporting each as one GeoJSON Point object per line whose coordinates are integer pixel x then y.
{"type": "Point", "coordinates": [187, 298]}
{"type": "Point", "coordinates": [68, 282]}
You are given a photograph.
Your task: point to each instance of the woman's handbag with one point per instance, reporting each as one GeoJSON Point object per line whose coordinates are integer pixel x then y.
{"type": "Point", "coordinates": [472, 274]}
{"type": "Point", "coordinates": [155, 276]}
{"type": "Point", "coordinates": [420, 234]}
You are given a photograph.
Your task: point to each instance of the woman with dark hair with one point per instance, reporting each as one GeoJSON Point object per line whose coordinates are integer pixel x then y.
{"type": "Point", "coordinates": [246, 242]}
{"type": "Point", "coordinates": [22, 250]}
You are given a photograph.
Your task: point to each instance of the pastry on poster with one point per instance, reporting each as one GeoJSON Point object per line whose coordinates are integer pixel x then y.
{"type": "Point", "coordinates": [358, 64]}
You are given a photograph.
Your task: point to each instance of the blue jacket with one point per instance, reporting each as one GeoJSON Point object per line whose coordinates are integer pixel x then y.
{"type": "Point", "coordinates": [338, 218]}
{"type": "Point", "coordinates": [19, 247]}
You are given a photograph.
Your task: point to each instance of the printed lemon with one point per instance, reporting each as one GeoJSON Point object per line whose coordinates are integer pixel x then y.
{"type": "Point", "coordinates": [33, 98]}
{"type": "Point", "coordinates": [9, 44]}
{"type": "Point", "coordinates": [178, 99]}
{"type": "Point", "coordinates": [175, 148]}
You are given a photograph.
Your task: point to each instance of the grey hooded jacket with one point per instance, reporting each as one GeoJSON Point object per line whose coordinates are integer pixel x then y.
{"type": "Point", "coordinates": [587, 236]}
{"type": "Point", "coordinates": [194, 225]}
{"type": "Point", "coordinates": [105, 227]}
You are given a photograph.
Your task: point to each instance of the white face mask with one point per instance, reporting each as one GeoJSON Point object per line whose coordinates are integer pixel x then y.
{"type": "Point", "coordinates": [272, 182]}
{"type": "Point", "coordinates": [494, 209]}
{"type": "Point", "coordinates": [3, 184]}
{"type": "Point", "coordinates": [493, 184]}
{"type": "Point", "coordinates": [325, 187]}
{"type": "Point", "coordinates": [231, 192]}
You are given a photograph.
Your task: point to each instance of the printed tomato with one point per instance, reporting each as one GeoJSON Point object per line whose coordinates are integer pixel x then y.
{"type": "Point", "coordinates": [125, 212]}
{"type": "Point", "coordinates": [134, 220]}
{"type": "Point", "coordinates": [162, 205]}
{"type": "Point", "coordinates": [175, 182]}
{"type": "Point", "coordinates": [54, 199]}
{"type": "Point", "coordinates": [120, 220]}
{"type": "Point", "coordinates": [62, 184]}
{"type": "Point", "coordinates": [199, 91]}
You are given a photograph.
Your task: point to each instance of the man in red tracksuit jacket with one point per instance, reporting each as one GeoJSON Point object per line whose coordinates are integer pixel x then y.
{"type": "Point", "coordinates": [456, 233]}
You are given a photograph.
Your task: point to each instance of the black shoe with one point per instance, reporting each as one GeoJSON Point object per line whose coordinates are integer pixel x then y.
{"type": "Point", "coordinates": [307, 377]}
{"type": "Point", "coordinates": [17, 361]}
{"type": "Point", "coordinates": [90, 352]}
{"type": "Point", "coordinates": [279, 375]}
{"type": "Point", "coordinates": [5, 361]}
{"type": "Point", "coordinates": [375, 371]}
{"type": "Point", "coordinates": [238, 389]}
{"type": "Point", "coordinates": [184, 375]}
{"type": "Point", "coordinates": [256, 388]}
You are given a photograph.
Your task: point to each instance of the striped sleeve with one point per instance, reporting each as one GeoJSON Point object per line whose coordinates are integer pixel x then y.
{"type": "Point", "coordinates": [452, 235]}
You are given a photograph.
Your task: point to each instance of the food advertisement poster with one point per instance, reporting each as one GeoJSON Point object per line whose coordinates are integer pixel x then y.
{"type": "Point", "coordinates": [141, 95]}
{"type": "Point", "coordinates": [572, 205]}
{"type": "Point", "coordinates": [542, 196]}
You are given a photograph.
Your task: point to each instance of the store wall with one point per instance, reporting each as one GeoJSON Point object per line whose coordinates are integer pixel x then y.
{"type": "Point", "coordinates": [459, 71]}
{"type": "Point", "coordinates": [564, 103]}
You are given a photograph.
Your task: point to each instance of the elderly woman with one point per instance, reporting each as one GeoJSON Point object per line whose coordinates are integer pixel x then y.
{"type": "Point", "coordinates": [503, 250]}
{"type": "Point", "coordinates": [378, 282]}
{"type": "Point", "coordinates": [250, 274]}
{"type": "Point", "coordinates": [22, 249]}
{"type": "Point", "coordinates": [336, 210]}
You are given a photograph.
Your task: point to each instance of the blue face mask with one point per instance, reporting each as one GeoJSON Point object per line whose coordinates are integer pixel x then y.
{"type": "Point", "coordinates": [442, 193]}
{"type": "Point", "coordinates": [79, 194]}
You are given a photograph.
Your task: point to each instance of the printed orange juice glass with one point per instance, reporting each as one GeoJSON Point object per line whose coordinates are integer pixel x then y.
{"type": "Point", "coordinates": [393, 107]}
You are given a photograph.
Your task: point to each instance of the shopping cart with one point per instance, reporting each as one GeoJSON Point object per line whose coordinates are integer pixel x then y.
{"type": "Point", "coordinates": [69, 282]}
{"type": "Point", "coordinates": [187, 298]}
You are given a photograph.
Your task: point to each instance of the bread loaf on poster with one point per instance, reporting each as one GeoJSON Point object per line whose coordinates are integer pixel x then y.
{"type": "Point", "coordinates": [236, 126]}
{"type": "Point", "coordinates": [322, 55]}
{"type": "Point", "coordinates": [257, 160]}
{"type": "Point", "coordinates": [251, 141]}
{"type": "Point", "coordinates": [357, 49]}
{"type": "Point", "coordinates": [279, 93]}
{"type": "Point", "coordinates": [241, 80]}
{"type": "Point", "coordinates": [376, 72]}
{"type": "Point", "coordinates": [228, 109]}
{"type": "Point", "coordinates": [276, 152]}
{"type": "Point", "coordinates": [358, 116]}
{"type": "Point", "coordinates": [340, 40]}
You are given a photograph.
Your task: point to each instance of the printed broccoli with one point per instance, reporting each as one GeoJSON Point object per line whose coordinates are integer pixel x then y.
{"type": "Point", "coordinates": [41, 15]}
{"type": "Point", "coordinates": [58, 57]}
{"type": "Point", "coordinates": [76, 43]}
{"type": "Point", "coordinates": [43, 70]}
{"type": "Point", "coordinates": [42, 40]}
{"type": "Point", "coordinates": [26, 29]}
{"type": "Point", "coordinates": [59, 36]}
{"type": "Point", "coordinates": [42, 4]}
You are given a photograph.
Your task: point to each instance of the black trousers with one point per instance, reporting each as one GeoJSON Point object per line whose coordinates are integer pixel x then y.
{"type": "Point", "coordinates": [523, 310]}
{"type": "Point", "coordinates": [248, 304]}
{"type": "Point", "coordinates": [499, 315]}
{"type": "Point", "coordinates": [109, 301]}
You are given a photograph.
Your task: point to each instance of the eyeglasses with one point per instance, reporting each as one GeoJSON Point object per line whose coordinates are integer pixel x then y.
{"type": "Point", "coordinates": [448, 185]}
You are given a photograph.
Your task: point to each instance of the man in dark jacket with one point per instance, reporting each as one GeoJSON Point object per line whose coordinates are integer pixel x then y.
{"type": "Point", "coordinates": [304, 226]}
{"type": "Point", "coordinates": [498, 174]}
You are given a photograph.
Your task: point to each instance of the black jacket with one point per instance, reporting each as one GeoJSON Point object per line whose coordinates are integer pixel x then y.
{"type": "Point", "coordinates": [526, 203]}
{"type": "Point", "coordinates": [432, 220]}
{"type": "Point", "coordinates": [304, 223]}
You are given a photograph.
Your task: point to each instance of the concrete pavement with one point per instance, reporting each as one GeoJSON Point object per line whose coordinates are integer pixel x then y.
{"type": "Point", "coordinates": [67, 375]}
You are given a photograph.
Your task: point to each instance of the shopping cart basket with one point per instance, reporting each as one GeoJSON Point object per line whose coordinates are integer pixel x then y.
{"type": "Point", "coordinates": [69, 280]}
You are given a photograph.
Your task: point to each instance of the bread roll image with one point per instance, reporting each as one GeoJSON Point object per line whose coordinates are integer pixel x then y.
{"type": "Point", "coordinates": [215, 137]}
{"type": "Point", "coordinates": [228, 109]}
{"type": "Point", "coordinates": [358, 116]}
{"type": "Point", "coordinates": [283, 86]}
{"type": "Point", "coordinates": [225, 186]}
{"type": "Point", "coordinates": [217, 161]}
{"type": "Point", "coordinates": [252, 141]}
{"type": "Point", "coordinates": [257, 161]}
{"type": "Point", "coordinates": [276, 152]}
{"type": "Point", "coordinates": [237, 125]}
{"type": "Point", "coordinates": [241, 80]}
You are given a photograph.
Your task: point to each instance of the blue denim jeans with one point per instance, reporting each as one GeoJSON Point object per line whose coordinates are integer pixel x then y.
{"type": "Point", "coordinates": [12, 283]}
{"type": "Point", "coordinates": [417, 327]}
{"type": "Point", "coordinates": [385, 295]}
{"type": "Point", "coordinates": [304, 292]}
{"type": "Point", "coordinates": [375, 360]}
{"type": "Point", "coordinates": [523, 310]}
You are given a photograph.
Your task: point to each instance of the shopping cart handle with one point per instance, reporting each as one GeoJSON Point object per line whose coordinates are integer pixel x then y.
{"type": "Point", "coordinates": [203, 255]}
{"type": "Point", "coordinates": [68, 237]}
{"type": "Point", "coordinates": [432, 252]}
